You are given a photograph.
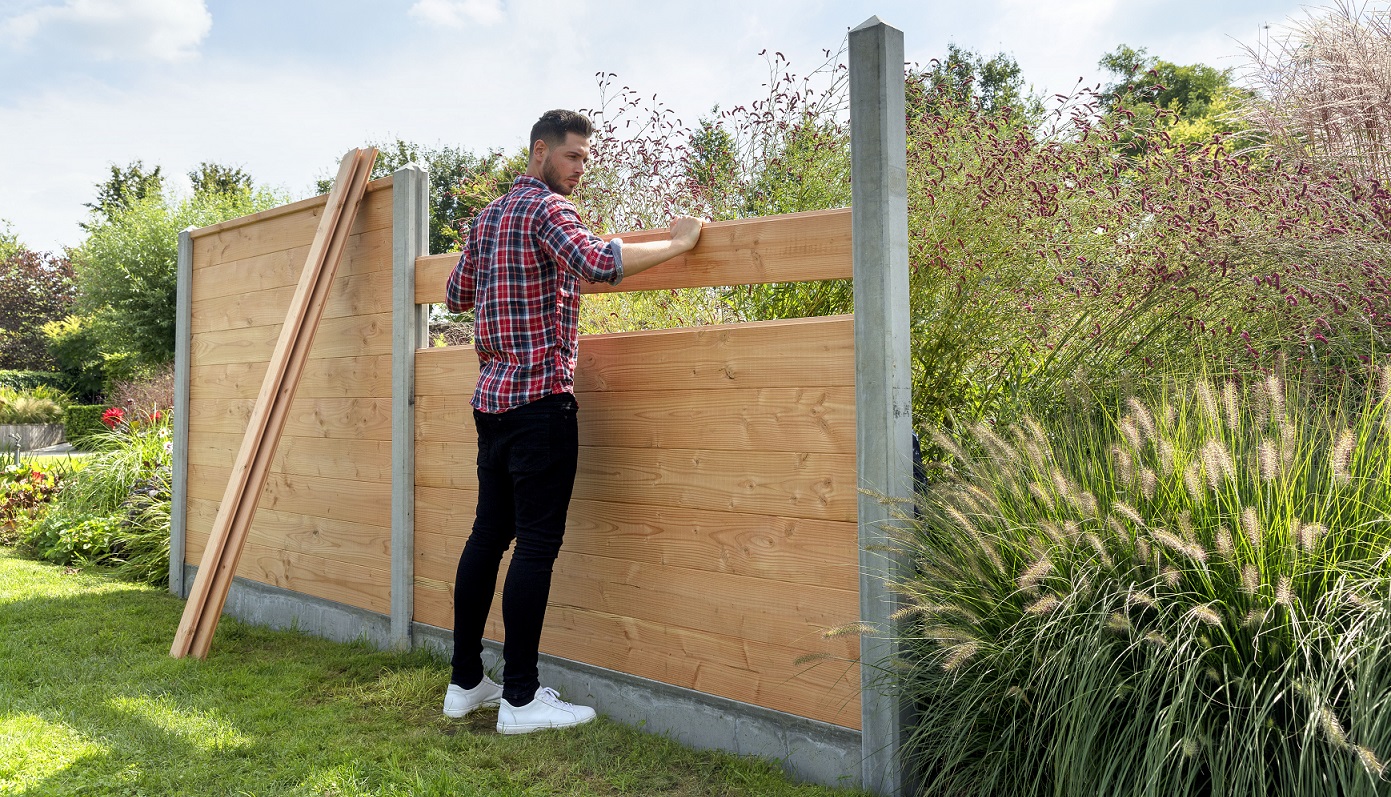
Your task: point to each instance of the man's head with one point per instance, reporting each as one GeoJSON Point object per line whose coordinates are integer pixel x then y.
{"type": "Point", "coordinates": [560, 149]}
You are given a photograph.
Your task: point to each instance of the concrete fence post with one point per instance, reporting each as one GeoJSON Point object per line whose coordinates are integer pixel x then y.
{"type": "Point", "coordinates": [883, 377]}
{"type": "Point", "coordinates": [410, 225]}
{"type": "Point", "coordinates": [178, 488]}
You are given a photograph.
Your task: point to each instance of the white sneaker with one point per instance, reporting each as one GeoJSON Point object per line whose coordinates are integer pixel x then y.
{"type": "Point", "coordinates": [546, 710]}
{"type": "Point", "coordinates": [459, 701]}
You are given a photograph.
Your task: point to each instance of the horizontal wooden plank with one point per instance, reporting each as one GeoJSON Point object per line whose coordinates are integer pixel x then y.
{"type": "Point", "coordinates": [768, 419]}
{"type": "Point", "coordinates": [794, 247]}
{"type": "Point", "coordinates": [336, 540]}
{"type": "Point", "coordinates": [778, 483]}
{"type": "Point", "coordinates": [379, 184]}
{"type": "Point", "coordinates": [331, 579]}
{"type": "Point", "coordinates": [367, 253]}
{"type": "Point", "coordinates": [350, 336]}
{"type": "Point", "coordinates": [758, 673]}
{"type": "Point", "coordinates": [345, 418]}
{"type": "Point", "coordinates": [794, 550]}
{"type": "Point", "coordinates": [286, 230]}
{"type": "Point", "coordinates": [357, 460]}
{"type": "Point", "coordinates": [800, 353]}
{"type": "Point", "coordinates": [316, 496]}
{"type": "Point", "coordinates": [755, 609]}
{"type": "Point", "coordinates": [352, 295]}
{"type": "Point", "coordinates": [324, 377]}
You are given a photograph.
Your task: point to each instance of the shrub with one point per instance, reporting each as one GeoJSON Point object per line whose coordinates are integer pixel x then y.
{"type": "Point", "coordinates": [115, 510]}
{"type": "Point", "coordinates": [82, 423]}
{"type": "Point", "coordinates": [23, 491]}
{"type": "Point", "coordinates": [1189, 599]}
{"type": "Point", "coordinates": [41, 406]}
{"type": "Point", "coordinates": [29, 380]}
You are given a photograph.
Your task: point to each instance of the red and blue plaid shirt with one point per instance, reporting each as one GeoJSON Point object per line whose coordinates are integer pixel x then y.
{"type": "Point", "coordinates": [520, 273]}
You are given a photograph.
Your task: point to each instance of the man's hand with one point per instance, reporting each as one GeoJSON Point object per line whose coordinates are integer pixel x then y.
{"type": "Point", "coordinates": [638, 257]}
{"type": "Point", "coordinates": [685, 232]}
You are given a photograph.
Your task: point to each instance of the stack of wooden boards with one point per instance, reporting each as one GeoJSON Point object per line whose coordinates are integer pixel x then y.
{"type": "Point", "coordinates": [248, 479]}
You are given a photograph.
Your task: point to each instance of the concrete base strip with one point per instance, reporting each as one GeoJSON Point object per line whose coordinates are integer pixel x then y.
{"type": "Point", "coordinates": [808, 750]}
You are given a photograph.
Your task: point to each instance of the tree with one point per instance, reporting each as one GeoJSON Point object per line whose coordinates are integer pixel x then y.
{"type": "Point", "coordinates": [35, 288]}
{"type": "Point", "coordinates": [127, 268]}
{"type": "Point", "coordinates": [1188, 104]}
{"type": "Point", "coordinates": [215, 178]}
{"type": "Point", "coordinates": [9, 242]}
{"type": "Point", "coordinates": [451, 170]}
{"type": "Point", "coordinates": [967, 79]}
{"type": "Point", "coordinates": [123, 188]}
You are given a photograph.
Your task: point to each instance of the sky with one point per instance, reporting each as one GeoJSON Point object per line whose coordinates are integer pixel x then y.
{"type": "Point", "coordinates": [282, 88]}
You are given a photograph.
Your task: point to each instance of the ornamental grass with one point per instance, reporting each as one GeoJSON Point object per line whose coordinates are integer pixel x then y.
{"type": "Point", "coordinates": [1184, 597]}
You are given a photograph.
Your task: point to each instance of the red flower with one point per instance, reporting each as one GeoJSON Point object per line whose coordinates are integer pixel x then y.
{"type": "Point", "coordinates": [113, 416]}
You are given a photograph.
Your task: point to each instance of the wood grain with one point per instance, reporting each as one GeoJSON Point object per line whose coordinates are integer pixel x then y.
{"type": "Point", "coordinates": [346, 418]}
{"type": "Point", "coordinates": [324, 377]}
{"type": "Point", "coordinates": [368, 293]}
{"type": "Point", "coordinates": [315, 496]}
{"type": "Point", "coordinates": [351, 336]}
{"type": "Point", "coordinates": [337, 458]}
{"type": "Point", "coordinates": [228, 242]}
{"type": "Point", "coordinates": [366, 253]}
{"type": "Point", "coordinates": [337, 540]}
{"type": "Point", "coordinates": [793, 247]}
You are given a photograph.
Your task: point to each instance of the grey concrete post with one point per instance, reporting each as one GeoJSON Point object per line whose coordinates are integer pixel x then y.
{"type": "Point", "coordinates": [883, 377]}
{"type": "Point", "coordinates": [183, 339]}
{"type": "Point", "coordinates": [410, 224]}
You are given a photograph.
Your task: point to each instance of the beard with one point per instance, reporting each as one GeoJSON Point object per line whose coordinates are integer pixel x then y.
{"type": "Point", "coordinates": [551, 177]}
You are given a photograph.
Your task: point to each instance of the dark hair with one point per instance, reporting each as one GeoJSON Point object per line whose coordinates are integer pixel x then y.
{"type": "Point", "coordinates": [553, 125]}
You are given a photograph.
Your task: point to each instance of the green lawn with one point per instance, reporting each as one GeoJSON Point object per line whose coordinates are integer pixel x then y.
{"type": "Point", "coordinates": [91, 703]}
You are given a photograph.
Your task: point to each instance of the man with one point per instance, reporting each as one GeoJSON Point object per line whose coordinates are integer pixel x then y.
{"type": "Point", "coordinates": [520, 273]}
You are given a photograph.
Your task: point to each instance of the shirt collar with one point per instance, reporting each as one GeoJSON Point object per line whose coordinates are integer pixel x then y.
{"type": "Point", "coordinates": [530, 182]}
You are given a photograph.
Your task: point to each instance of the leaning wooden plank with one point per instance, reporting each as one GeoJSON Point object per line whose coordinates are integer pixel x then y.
{"type": "Point", "coordinates": [276, 392]}
{"type": "Point", "coordinates": [295, 363]}
{"type": "Point", "coordinates": [794, 247]}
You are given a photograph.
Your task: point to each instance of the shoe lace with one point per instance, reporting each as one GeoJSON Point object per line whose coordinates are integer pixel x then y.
{"type": "Point", "coordinates": [552, 697]}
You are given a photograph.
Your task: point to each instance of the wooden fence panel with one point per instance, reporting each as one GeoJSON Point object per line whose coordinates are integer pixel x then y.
{"type": "Point", "coordinates": [323, 526]}
{"type": "Point", "coordinates": [711, 539]}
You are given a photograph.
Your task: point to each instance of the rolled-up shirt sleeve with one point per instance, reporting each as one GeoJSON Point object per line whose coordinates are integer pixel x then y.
{"type": "Point", "coordinates": [459, 291]}
{"type": "Point", "coordinates": [570, 242]}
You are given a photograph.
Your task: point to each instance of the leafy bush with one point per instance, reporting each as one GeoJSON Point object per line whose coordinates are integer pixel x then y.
{"type": "Point", "coordinates": [23, 491]}
{"type": "Point", "coordinates": [1185, 599]}
{"type": "Point", "coordinates": [29, 380]}
{"type": "Point", "coordinates": [82, 423]}
{"type": "Point", "coordinates": [115, 510]}
{"type": "Point", "coordinates": [41, 406]}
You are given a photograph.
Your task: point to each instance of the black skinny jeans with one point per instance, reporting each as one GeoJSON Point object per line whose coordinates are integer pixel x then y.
{"type": "Point", "coordinates": [526, 472]}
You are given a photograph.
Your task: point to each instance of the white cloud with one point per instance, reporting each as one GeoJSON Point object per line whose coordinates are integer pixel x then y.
{"type": "Point", "coordinates": [107, 30]}
{"type": "Point", "coordinates": [458, 13]}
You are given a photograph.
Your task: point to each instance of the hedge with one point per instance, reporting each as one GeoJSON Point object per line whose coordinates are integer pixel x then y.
{"type": "Point", "coordinates": [82, 421]}
{"type": "Point", "coordinates": [28, 380]}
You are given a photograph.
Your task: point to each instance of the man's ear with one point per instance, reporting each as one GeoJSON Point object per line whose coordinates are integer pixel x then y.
{"type": "Point", "coordinates": [538, 150]}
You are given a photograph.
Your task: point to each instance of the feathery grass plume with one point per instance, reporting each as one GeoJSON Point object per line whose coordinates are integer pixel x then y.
{"type": "Point", "coordinates": [994, 444]}
{"type": "Point", "coordinates": [1275, 389]}
{"type": "Point", "coordinates": [1157, 639]}
{"type": "Point", "coordinates": [958, 655]}
{"type": "Point", "coordinates": [1143, 417]}
{"type": "Point", "coordinates": [1166, 458]}
{"type": "Point", "coordinates": [1231, 406]}
{"type": "Point", "coordinates": [1041, 493]}
{"type": "Point", "coordinates": [1053, 530]}
{"type": "Point", "coordinates": [1204, 613]}
{"type": "Point", "coordinates": [1142, 549]}
{"type": "Point", "coordinates": [1036, 572]}
{"type": "Point", "coordinates": [1309, 535]}
{"type": "Point", "coordinates": [981, 541]}
{"type": "Point", "coordinates": [1193, 482]}
{"type": "Point", "coordinates": [1179, 546]}
{"type": "Point", "coordinates": [1250, 579]}
{"type": "Point", "coordinates": [1370, 761]}
{"type": "Point", "coordinates": [1289, 442]}
{"type": "Point", "coordinates": [1149, 484]}
{"type": "Point", "coordinates": [1207, 399]}
{"type": "Point", "coordinates": [1217, 461]}
{"type": "Point", "coordinates": [1118, 622]}
{"type": "Point", "coordinates": [1043, 605]}
{"type": "Point", "coordinates": [1185, 525]}
{"type": "Point", "coordinates": [1087, 506]}
{"type": "Point", "coordinates": [1251, 524]}
{"type": "Point", "coordinates": [1224, 541]}
{"type": "Point", "coordinates": [1254, 618]}
{"type": "Point", "coordinates": [1131, 432]}
{"type": "Point", "coordinates": [908, 612]}
{"type": "Point", "coordinates": [1260, 406]}
{"type": "Point", "coordinates": [1341, 459]}
{"type": "Point", "coordinates": [984, 500]}
{"type": "Point", "coordinates": [1386, 382]}
{"type": "Point", "coordinates": [1071, 529]}
{"type": "Point", "coordinates": [1140, 598]}
{"type": "Point", "coordinates": [1269, 461]}
{"type": "Point", "coordinates": [1125, 466]}
{"type": "Point", "coordinates": [1128, 512]}
{"type": "Point", "coordinates": [1100, 549]}
{"type": "Point", "coordinates": [1282, 591]}
{"type": "Point", "coordinates": [1061, 485]}
{"type": "Point", "coordinates": [1171, 576]}
{"type": "Point", "coordinates": [1332, 728]}
{"type": "Point", "coordinates": [851, 629]}
{"type": "Point", "coordinates": [949, 445]}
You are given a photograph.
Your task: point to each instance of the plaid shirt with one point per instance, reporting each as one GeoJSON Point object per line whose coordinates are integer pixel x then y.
{"type": "Point", "coordinates": [520, 273]}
